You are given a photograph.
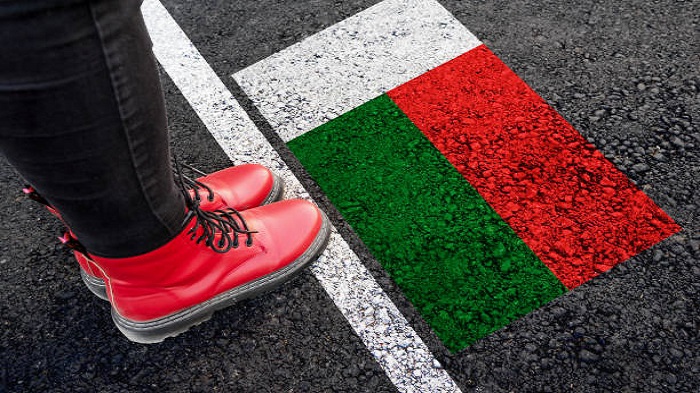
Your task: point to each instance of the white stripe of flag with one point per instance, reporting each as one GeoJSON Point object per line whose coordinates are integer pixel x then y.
{"type": "Point", "coordinates": [352, 62]}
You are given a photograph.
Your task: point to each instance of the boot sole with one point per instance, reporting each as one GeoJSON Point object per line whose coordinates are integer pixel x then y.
{"type": "Point", "coordinates": [97, 285]}
{"type": "Point", "coordinates": [172, 325]}
{"type": "Point", "coordinates": [276, 192]}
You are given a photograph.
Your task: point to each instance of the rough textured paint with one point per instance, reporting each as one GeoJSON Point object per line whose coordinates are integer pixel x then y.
{"type": "Point", "coordinates": [574, 209]}
{"type": "Point", "coordinates": [460, 265]}
{"type": "Point", "coordinates": [351, 62]}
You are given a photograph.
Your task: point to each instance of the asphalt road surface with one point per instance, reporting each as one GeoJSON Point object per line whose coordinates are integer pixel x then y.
{"type": "Point", "coordinates": [623, 73]}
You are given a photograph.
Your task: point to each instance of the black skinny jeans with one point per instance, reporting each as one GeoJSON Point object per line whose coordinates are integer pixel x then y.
{"type": "Point", "coordinates": [82, 119]}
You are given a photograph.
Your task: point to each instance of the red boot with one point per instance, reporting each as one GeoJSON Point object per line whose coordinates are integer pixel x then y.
{"type": "Point", "coordinates": [219, 259]}
{"type": "Point", "coordinates": [240, 187]}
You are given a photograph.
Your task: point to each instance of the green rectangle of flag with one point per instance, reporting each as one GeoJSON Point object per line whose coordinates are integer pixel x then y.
{"type": "Point", "coordinates": [478, 199]}
{"type": "Point", "coordinates": [455, 259]}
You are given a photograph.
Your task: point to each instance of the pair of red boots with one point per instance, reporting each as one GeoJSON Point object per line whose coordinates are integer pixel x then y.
{"type": "Point", "coordinates": [236, 243]}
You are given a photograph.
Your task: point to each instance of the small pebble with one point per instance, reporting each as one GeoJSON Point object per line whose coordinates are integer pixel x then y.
{"type": "Point", "coordinates": [588, 356]}
{"type": "Point", "coordinates": [641, 167]}
{"type": "Point", "coordinates": [677, 141]}
{"type": "Point", "coordinates": [658, 254]}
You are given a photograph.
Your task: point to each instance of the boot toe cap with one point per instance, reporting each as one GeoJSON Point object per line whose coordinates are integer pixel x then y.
{"type": "Point", "coordinates": [242, 186]}
{"type": "Point", "coordinates": [290, 227]}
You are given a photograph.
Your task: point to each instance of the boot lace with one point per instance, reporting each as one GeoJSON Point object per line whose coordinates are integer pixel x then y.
{"type": "Point", "coordinates": [218, 229]}
{"type": "Point", "coordinates": [192, 183]}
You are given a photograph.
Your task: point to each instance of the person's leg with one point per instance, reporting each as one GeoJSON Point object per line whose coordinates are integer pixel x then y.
{"type": "Point", "coordinates": [82, 119]}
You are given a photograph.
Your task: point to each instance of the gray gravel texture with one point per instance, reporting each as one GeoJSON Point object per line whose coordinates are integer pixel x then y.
{"type": "Point", "coordinates": [624, 73]}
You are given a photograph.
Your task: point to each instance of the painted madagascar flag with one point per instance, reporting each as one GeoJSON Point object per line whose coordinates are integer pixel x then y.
{"type": "Point", "coordinates": [477, 197]}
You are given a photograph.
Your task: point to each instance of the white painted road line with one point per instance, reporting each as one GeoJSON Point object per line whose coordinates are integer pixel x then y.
{"type": "Point", "coordinates": [352, 62]}
{"type": "Point", "coordinates": [405, 358]}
